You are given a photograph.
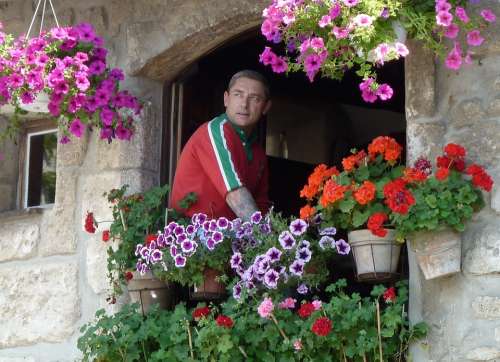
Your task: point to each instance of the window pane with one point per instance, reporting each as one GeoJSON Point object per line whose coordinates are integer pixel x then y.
{"type": "Point", "coordinates": [42, 169]}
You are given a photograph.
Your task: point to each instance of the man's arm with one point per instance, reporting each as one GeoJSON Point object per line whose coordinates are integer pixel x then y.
{"type": "Point", "coordinates": [242, 203]}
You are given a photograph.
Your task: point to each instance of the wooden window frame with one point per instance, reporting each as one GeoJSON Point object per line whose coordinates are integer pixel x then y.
{"type": "Point", "coordinates": [30, 127]}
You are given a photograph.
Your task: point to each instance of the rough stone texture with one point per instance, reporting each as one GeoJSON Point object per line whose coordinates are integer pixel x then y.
{"type": "Point", "coordinates": [8, 200]}
{"type": "Point", "coordinates": [423, 139]}
{"type": "Point", "coordinates": [18, 240]}
{"type": "Point", "coordinates": [466, 113]}
{"type": "Point", "coordinates": [487, 308]}
{"type": "Point", "coordinates": [495, 193]}
{"type": "Point", "coordinates": [486, 151]}
{"type": "Point", "coordinates": [96, 264]}
{"type": "Point", "coordinates": [484, 354]}
{"type": "Point", "coordinates": [38, 303]}
{"type": "Point", "coordinates": [17, 359]}
{"type": "Point", "coordinates": [494, 108]}
{"type": "Point", "coordinates": [420, 78]}
{"type": "Point", "coordinates": [72, 153]}
{"type": "Point", "coordinates": [483, 254]}
{"type": "Point", "coordinates": [58, 231]}
{"type": "Point", "coordinates": [497, 334]}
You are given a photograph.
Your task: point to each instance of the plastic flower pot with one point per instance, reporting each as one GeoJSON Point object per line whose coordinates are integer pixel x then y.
{"type": "Point", "coordinates": [210, 289]}
{"type": "Point", "coordinates": [148, 290]}
{"type": "Point", "coordinates": [39, 104]}
{"type": "Point", "coordinates": [376, 258]}
{"type": "Point", "coordinates": [439, 253]}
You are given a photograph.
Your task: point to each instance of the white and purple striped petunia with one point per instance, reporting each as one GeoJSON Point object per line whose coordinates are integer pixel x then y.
{"type": "Point", "coordinates": [343, 248]}
{"type": "Point", "coordinates": [303, 254]}
{"type": "Point", "coordinates": [331, 230]}
{"type": "Point", "coordinates": [274, 254]}
{"type": "Point", "coordinates": [187, 246]}
{"type": "Point", "coordinates": [298, 227]}
{"type": "Point", "coordinates": [297, 268]}
{"type": "Point", "coordinates": [271, 279]}
{"type": "Point", "coordinates": [256, 217]}
{"type": "Point", "coordinates": [218, 237]}
{"type": "Point", "coordinates": [326, 241]}
{"type": "Point", "coordinates": [156, 256]}
{"type": "Point", "coordinates": [180, 261]}
{"type": "Point", "coordinates": [222, 223]}
{"type": "Point", "coordinates": [286, 240]}
{"type": "Point", "coordinates": [302, 289]}
{"type": "Point", "coordinates": [236, 260]}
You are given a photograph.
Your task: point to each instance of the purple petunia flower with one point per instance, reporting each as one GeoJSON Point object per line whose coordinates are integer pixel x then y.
{"type": "Point", "coordinates": [179, 229]}
{"type": "Point", "coordinates": [262, 266]}
{"type": "Point", "coordinates": [265, 228]}
{"type": "Point", "coordinates": [286, 240]}
{"type": "Point", "coordinates": [237, 291]}
{"type": "Point", "coordinates": [190, 229]}
{"type": "Point", "coordinates": [181, 237]}
{"type": "Point", "coordinates": [144, 252]}
{"type": "Point", "coordinates": [138, 249]}
{"type": "Point", "coordinates": [212, 225]}
{"type": "Point", "coordinates": [326, 241]}
{"type": "Point", "coordinates": [303, 255]}
{"type": "Point", "coordinates": [210, 244]}
{"type": "Point", "coordinates": [222, 223]}
{"type": "Point", "coordinates": [302, 289]}
{"type": "Point", "coordinates": [271, 279]}
{"type": "Point", "coordinates": [77, 127]}
{"type": "Point", "coordinates": [236, 260]}
{"type": "Point", "coordinates": [97, 68]}
{"type": "Point", "coordinates": [218, 237]}
{"type": "Point", "coordinates": [297, 268]}
{"type": "Point", "coordinates": [274, 254]}
{"type": "Point", "coordinates": [304, 244]}
{"type": "Point", "coordinates": [256, 217]}
{"type": "Point", "coordinates": [180, 261]}
{"type": "Point", "coordinates": [156, 256]}
{"type": "Point", "coordinates": [328, 231]}
{"type": "Point", "coordinates": [187, 246]}
{"type": "Point", "coordinates": [173, 251]}
{"type": "Point", "coordinates": [298, 227]}
{"type": "Point", "coordinates": [343, 248]}
{"type": "Point", "coordinates": [161, 241]}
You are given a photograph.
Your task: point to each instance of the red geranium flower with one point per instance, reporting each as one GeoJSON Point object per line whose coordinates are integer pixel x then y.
{"type": "Point", "coordinates": [454, 150]}
{"type": "Point", "coordinates": [105, 235]}
{"type": "Point", "coordinates": [201, 312]}
{"type": "Point", "coordinates": [482, 180]}
{"type": "Point", "coordinates": [397, 197]}
{"type": "Point", "coordinates": [305, 310]}
{"type": "Point", "coordinates": [129, 276]}
{"type": "Point", "coordinates": [390, 295]}
{"type": "Point", "coordinates": [365, 193]}
{"type": "Point", "coordinates": [442, 174]}
{"type": "Point", "coordinates": [322, 326]}
{"type": "Point", "coordinates": [150, 238]}
{"type": "Point", "coordinates": [224, 321]}
{"type": "Point", "coordinates": [375, 223]}
{"type": "Point", "coordinates": [90, 223]}
{"type": "Point", "coordinates": [307, 212]}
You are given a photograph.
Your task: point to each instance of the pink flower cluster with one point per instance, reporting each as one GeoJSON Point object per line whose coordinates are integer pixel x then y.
{"type": "Point", "coordinates": [69, 64]}
{"type": "Point", "coordinates": [314, 53]}
{"type": "Point", "coordinates": [449, 19]}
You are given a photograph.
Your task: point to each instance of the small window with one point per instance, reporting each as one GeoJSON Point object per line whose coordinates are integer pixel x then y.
{"type": "Point", "coordinates": [38, 165]}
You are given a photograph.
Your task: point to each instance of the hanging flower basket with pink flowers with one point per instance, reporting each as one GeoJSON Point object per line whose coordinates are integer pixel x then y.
{"type": "Point", "coordinates": [64, 72]}
{"type": "Point", "coordinates": [330, 37]}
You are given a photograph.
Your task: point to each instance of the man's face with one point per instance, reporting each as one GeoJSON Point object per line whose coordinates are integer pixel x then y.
{"type": "Point", "coordinates": [246, 102]}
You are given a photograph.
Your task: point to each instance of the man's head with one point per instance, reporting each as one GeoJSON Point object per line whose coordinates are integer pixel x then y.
{"type": "Point", "coordinates": [247, 99]}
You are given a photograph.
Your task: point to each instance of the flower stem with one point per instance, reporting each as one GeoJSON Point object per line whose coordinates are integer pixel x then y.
{"type": "Point", "coordinates": [279, 328]}
{"type": "Point", "coordinates": [243, 352]}
{"type": "Point", "coordinates": [379, 332]}
{"type": "Point", "coordinates": [123, 220]}
{"type": "Point", "coordinates": [190, 340]}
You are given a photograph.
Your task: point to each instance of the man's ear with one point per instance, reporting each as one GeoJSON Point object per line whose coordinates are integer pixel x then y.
{"type": "Point", "coordinates": [267, 107]}
{"type": "Point", "coordinates": [226, 97]}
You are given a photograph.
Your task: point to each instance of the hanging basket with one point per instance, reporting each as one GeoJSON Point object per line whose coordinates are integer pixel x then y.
{"type": "Point", "coordinates": [376, 258]}
{"type": "Point", "coordinates": [439, 253]}
{"type": "Point", "coordinates": [148, 290]}
{"type": "Point", "coordinates": [210, 289]}
{"type": "Point", "coordinates": [39, 105]}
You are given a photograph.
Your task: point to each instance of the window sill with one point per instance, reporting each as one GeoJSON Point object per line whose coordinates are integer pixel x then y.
{"type": "Point", "coordinates": [23, 213]}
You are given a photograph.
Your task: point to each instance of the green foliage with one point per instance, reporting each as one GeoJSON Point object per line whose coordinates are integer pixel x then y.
{"type": "Point", "coordinates": [168, 335]}
{"type": "Point", "coordinates": [440, 204]}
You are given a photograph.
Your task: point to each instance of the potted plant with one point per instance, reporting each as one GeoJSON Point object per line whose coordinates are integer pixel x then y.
{"type": "Point", "coordinates": [371, 187]}
{"type": "Point", "coordinates": [67, 66]}
{"type": "Point", "coordinates": [193, 253]}
{"type": "Point", "coordinates": [136, 218]}
{"type": "Point", "coordinates": [274, 255]}
{"type": "Point", "coordinates": [331, 37]}
{"type": "Point", "coordinates": [444, 201]}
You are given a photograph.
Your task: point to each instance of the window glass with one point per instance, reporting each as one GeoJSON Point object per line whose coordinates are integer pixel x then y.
{"type": "Point", "coordinates": [41, 168]}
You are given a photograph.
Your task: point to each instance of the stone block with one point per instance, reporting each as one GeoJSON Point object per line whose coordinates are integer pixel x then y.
{"type": "Point", "coordinates": [72, 153]}
{"type": "Point", "coordinates": [494, 108]}
{"type": "Point", "coordinates": [497, 334]}
{"type": "Point", "coordinates": [486, 308]}
{"type": "Point", "coordinates": [495, 193]}
{"type": "Point", "coordinates": [484, 354]}
{"type": "Point", "coordinates": [18, 240]}
{"type": "Point", "coordinates": [8, 199]}
{"type": "Point", "coordinates": [420, 77]}
{"type": "Point", "coordinates": [466, 113]}
{"type": "Point", "coordinates": [58, 231]}
{"type": "Point", "coordinates": [96, 261]}
{"type": "Point", "coordinates": [38, 303]}
{"type": "Point", "coordinates": [66, 185]}
{"type": "Point", "coordinates": [481, 141]}
{"type": "Point", "coordinates": [483, 256]}
{"type": "Point", "coordinates": [97, 16]}
{"type": "Point", "coordinates": [17, 359]}
{"type": "Point", "coordinates": [424, 139]}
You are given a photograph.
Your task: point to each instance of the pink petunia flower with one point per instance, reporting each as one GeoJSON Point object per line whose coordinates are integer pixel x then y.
{"type": "Point", "coordinates": [325, 21]}
{"type": "Point", "coordinates": [443, 6]}
{"type": "Point", "coordinates": [267, 57]}
{"type": "Point", "coordinates": [312, 63]}
{"type": "Point", "coordinates": [454, 58]}
{"type": "Point", "coordinates": [362, 20]}
{"type": "Point", "coordinates": [488, 15]}
{"type": "Point", "coordinates": [451, 31]}
{"type": "Point", "coordinates": [350, 3]}
{"type": "Point", "coordinates": [288, 303]}
{"type": "Point", "coordinates": [77, 127]}
{"type": "Point", "coordinates": [265, 308]}
{"type": "Point", "coordinates": [317, 304]}
{"type": "Point", "coordinates": [340, 33]}
{"type": "Point", "coordinates": [384, 92]}
{"type": "Point", "coordinates": [462, 14]}
{"type": "Point", "coordinates": [279, 65]}
{"type": "Point", "coordinates": [401, 49]}
{"type": "Point", "coordinates": [474, 38]}
{"type": "Point", "coordinates": [317, 43]}
{"type": "Point", "coordinates": [444, 18]}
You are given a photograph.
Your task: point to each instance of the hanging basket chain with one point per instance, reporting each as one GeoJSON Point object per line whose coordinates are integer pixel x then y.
{"type": "Point", "coordinates": [43, 16]}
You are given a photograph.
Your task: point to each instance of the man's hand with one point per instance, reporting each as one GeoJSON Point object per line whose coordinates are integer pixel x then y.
{"type": "Point", "coordinates": [242, 203]}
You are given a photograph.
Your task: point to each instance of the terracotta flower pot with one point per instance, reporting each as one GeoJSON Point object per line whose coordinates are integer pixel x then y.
{"type": "Point", "coordinates": [148, 290]}
{"type": "Point", "coordinates": [439, 253]}
{"type": "Point", "coordinates": [376, 258]}
{"type": "Point", "coordinates": [210, 288]}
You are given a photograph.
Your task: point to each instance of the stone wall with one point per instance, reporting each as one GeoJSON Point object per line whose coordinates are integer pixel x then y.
{"type": "Point", "coordinates": [463, 311]}
{"type": "Point", "coordinates": [53, 274]}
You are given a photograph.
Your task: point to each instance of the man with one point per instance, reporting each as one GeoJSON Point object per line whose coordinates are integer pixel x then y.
{"type": "Point", "coordinates": [222, 162]}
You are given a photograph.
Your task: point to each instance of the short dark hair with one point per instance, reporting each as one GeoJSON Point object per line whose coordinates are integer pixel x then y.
{"type": "Point", "coordinates": [251, 74]}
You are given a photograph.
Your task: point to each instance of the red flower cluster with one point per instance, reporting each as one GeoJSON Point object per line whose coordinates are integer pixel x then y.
{"type": "Point", "coordinates": [389, 295]}
{"type": "Point", "coordinates": [397, 197]}
{"type": "Point", "coordinates": [479, 177]}
{"type": "Point", "coordinates": [386, 146]}
{"type": "Point", "coordinates": [365, 193]}
{"type": "Point", "coordinates": [306, 310]}
{"type": "Point", "coordinates": [224, 321]}
{"type": "Point", "coordinates": [105, 235]}
{"type": "Point", "coordinates": [150, 238]}
{"type": "Point", "coordinates": [376, 222]}
{"type": "Point", "coordinates": [332, 192]}
{"type": "Point", "coordinates": [307, 212]}
{"type": "Point", "coordinates": [90, 223]}
{"type": "Point", "coordinates": [350, 162]}
{"type": "Point", "coordinates": [322, 326]}
{"type": "Point", "coordinates": [414, 175]}
{"type": "Point", "coordinates": [315, 180]}
{"type": "Point", "coordinates": [442, 173]}
{"type": "Point", "coordinates": [201, 312]}
{"type": "Point", "coordinates": [129, 276]}
{"type": "Point", "coordinates": [453, 158]}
